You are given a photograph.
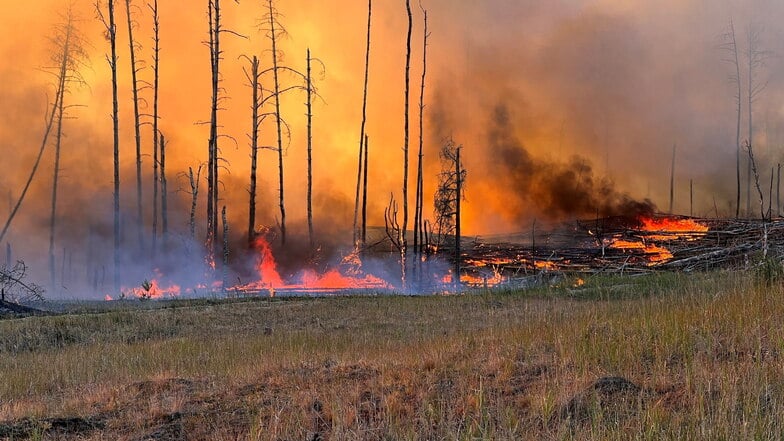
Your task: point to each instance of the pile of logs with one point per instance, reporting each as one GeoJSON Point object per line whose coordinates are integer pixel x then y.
{"type": "Point", "coordinates": [587, 247]}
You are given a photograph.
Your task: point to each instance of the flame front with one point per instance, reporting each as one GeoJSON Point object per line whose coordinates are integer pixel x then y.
{"type": "Point", "coordinates": [350, 278]}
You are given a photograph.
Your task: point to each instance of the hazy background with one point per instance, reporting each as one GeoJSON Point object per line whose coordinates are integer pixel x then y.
{"type": "Point", "coordinates": [564, 108]}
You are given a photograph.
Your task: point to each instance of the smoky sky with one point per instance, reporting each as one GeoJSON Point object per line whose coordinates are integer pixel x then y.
{"type": "Point", "coordinates": [564, 108]}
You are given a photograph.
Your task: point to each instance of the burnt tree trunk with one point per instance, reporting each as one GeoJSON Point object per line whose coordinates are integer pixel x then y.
{"type": "Point", "coordinates": [194, 183]}
{"type": "Point", "coordinates": [310, 152]}
{"type": "Point", "coordinates": [253, 77]}
{"type": "Point", "coordinates": [164, 195]}
{"type": "Point", "coordinates": [212, 161]}
{"type": "Point", "coordinates": [136, 125]}
{"type": "Point", "coordinates": [363, 234]}
{"type": "Point", "coordinates": [364, 120]}
{"type": "Point", "coordinates": [61, 88]}
{"type": "Point", "coordinates": [458, 199]}
{"type": "Point", "coordinates": [156, 141]}
{"type": "Point", "coordinates": [404, 226]}
{"type": "Point", "coordinates": [418, 212]}
{"type": "Point", "coordinates": [278, 121]}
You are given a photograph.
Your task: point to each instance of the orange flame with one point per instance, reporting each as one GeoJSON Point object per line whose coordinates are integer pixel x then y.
{"type": "Point", "coordinates": [270, 279]}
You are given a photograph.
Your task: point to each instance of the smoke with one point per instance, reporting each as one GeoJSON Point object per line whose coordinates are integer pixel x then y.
{"type": "Point", "coordinates": [564, 108]}
{"type": "Point", "coordinates": [555, 190]}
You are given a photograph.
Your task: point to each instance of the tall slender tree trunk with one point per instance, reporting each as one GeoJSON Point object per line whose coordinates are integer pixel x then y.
{"type": "Point", "coordinates": [418, 213]}
{"type": "Point", "coordinates": [225, 266]}
{"type": "Point", "coordinates": [212, 163]}
{"type": "Point", "coordinates": [112, 29]}
{"type": "Point", "coordinates": [156, 141]}
{"type": "Point", "coordinates": [62, 81]}
{"type": "Point", "coordinates": [734, 48]}
{"type": "Point", "coordinates": [672, 178]}
{"type": "Point", "coordinates": [194, 183]}
{"type": "Point", "coordinates": [254, 148]}
{"type": "Point", "coordinates": [750, 101]}
{"type": "Point", "coordinates": [279, 123]}
{"type": "Point", "coordinates": [404, 226]}
{"type": "Point", "coordinates": [310, 153]}
{"type": "Point", "coordinates": [778, 190]}
{"type": "Point", "coordinates": [458, 200]}
{"type": "Point", "coordinates": [363, 234]}
{"type": "Point", "coordinates": [364, 119]}
{"type": "Point", "coordinates": [136, 126]}
{"type": "Point", "coordinates": [164, 195]}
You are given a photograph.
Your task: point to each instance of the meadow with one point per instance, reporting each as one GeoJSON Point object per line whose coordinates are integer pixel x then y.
{"type": "Point", "coordinates": [658, 356]}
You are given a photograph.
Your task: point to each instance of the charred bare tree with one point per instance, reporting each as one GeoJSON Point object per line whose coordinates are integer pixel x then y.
{"type": "Point", "coordinates": [15, 288]}
{"type": "Point", "coordinates": [276, 31]}
{"type": "Point", "coordinates": [755, 173]}
{"type": "Point", "coordinates": [391, 223]}
{"type": "Point", "coordinates": [216, 55]}
{"type": "Point", "coordinates": [360, 161]}
{"type": "Point", "coordinates": [672, 178]}
{"type": "Point", "coordinates": [731, 47]}
{"type": "Point", "coordinates": [69, 58]}
{"type": "Point", "coordinates": [214, 16]}
{"type": "Point", "coordinates": [406, 128]}
{"type": "Point", "coordinates": [156, 141]}
{"type": "Point", "coordinates": [254, 79]}
{"type": "Point", "coordinates": [418, 214]}
{"type": "Point", "coordinates": [193, 181]}
{"type": "Point", "coordinates": [164, 194]}
{"type": "Point", "coordinates": [225, 272]}
{"type": "Point", "coordinates": [309, 106]}
{"type": "Point", "coordinates": [136, 123]}
{"type": "Point", "coordinates": [111, 33]}
{"type": "Point", "coordinates": [755, 58]}
{"type": "Point", "coordinates": [458, 199]}
{"type": "Point", "coordinates": [363, 234]}
{"type": "Point", "coordinates": [448, 197]}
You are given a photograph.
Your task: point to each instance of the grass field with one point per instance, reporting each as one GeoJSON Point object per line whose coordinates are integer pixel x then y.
{"type": "Point", "coordinates": [664, 356]}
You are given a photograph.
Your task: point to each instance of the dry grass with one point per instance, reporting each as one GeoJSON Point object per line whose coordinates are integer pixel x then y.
{"type": "Point", "coordinates": [656, 357]}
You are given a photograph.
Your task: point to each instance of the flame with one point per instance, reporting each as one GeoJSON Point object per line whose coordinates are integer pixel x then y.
{"type": "Point", "coordinates": [155, 290]}
{"type": "Point", "coordinates": [546, 265]}
{"type": "Point", "coordinates": [348, 275]}
{"type": "Point", "coordinates": [654, 253]}
{"type": "Point", "coordinates": [269, 277]}
{"type": "Point", "coordinates": [673, 228]}
{"type": "Point", "coordinates": [671, 225]}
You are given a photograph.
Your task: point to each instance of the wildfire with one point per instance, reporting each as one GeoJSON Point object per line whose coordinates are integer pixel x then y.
{"type": "Point", "coordinates": [654, 253]}
{"type": "Point", "coordinates": [673, 228]}
{"type": "Point", "coordinates": [347, 276]}
{"type": "Point", "coordinates": [666, 229]}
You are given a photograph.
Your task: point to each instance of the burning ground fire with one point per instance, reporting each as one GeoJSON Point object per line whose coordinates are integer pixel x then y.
{"type": "Point", "coordinates": [348, 276]}
{"type": "Point", "coordinates": [645, 242]}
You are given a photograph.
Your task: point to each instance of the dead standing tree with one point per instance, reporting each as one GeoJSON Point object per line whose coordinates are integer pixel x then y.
{"type": "Point", "coordinates": [404, 227]}
{"type": "Point", "coordinates": [254, 80]}
{"type": "Point", "coordinates": [111, 33]}
{"type": "Point", "coordinates": [68, 60]}
{"type": "Point", "coordinates": [730, 46]}
{"type": "Point", "coordinates": [419, 231]}
{"type": "Point", "coordinates": [755, 58]}
{"type": "Point", "coordinates": [156, 141]}
{"type": "Point", "coordinates": [216, 55]}
{"type": "Point", "coordinates": [133, 46]}
{"type": "Point", "coordinates": [311, 93]}
{"type": "Point", "coordinates": [275, 31]}
{"type": "Point", "coordinates": [362, 145]}
{"type": "Point", "coordinates": [448, 198]}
